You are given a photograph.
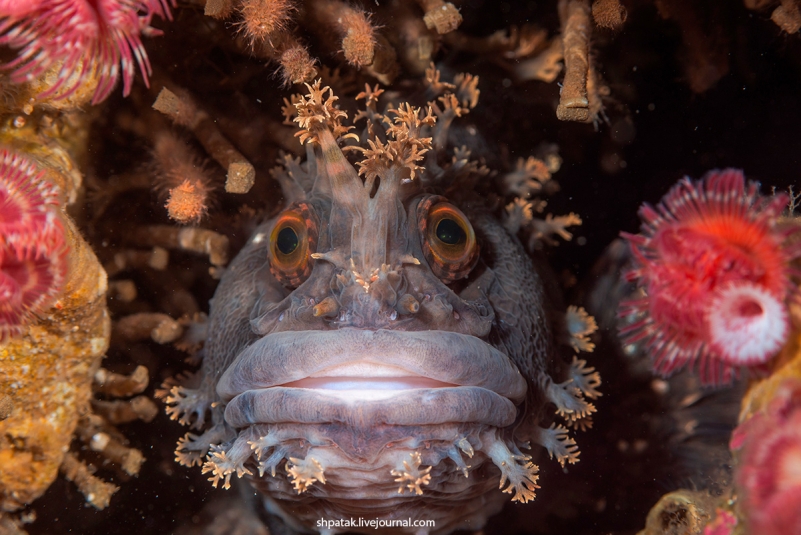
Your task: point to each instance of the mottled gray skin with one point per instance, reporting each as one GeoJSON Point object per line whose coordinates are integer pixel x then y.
{"type": "Point", "coordinates": [484, 344]}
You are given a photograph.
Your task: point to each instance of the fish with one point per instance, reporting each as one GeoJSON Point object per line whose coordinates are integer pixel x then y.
{"type": "Point", "coordinates": [384, 352]}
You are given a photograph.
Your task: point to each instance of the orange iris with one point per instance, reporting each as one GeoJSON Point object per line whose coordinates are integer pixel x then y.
{"type": "Point", "coordinates": [449, 243]}
{"type": "Point", "coordinates": [292, 241]}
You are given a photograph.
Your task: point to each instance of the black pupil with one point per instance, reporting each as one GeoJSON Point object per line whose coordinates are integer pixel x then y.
{"type": "Point", "coordinates": [287, 240]}
{"type": "Point", "coordinates": [449, 232]}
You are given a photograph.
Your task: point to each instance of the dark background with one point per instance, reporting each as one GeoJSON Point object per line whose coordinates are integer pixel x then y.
{"type": "Point", "coordinates": [656, 130]}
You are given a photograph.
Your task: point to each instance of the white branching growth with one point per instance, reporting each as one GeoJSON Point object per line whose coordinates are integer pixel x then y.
{"type": "Point", "coordinates": [533, 176]}
{"type": "Point", "coordinates": [585, 378]}
{"type": "Point", "coordinates": [433, 79]}
{"type": "Point", "coordinates": [315, 113]}
{"type": "Point", "coordinates": [192, 448]}
{"type": "Point", "coordinates": [261, 446]}
{"type": "Point", "coordinates": [455, 454]}
{"type": "Point", "coordinates": [304, 473]}
{"type": "Point", "coordinates": [518, 213]}
{"type": "Point", "coordinates": [530, 176]}
{"type": "Point", "coordinates": [405, 147]}
{"type": "Point", "coordinates": [569, 396]}
{"type": "Point", "coordinates": [544, 230]}
{"type": "Point", "coordinates": [516, 468]}
{"type": "Point", "coordinates": [580, 325]}
{"type": "Point", "coordinates": [411, 476]}
{"type": "Point", "coordinates": [558, 443]}
{"type": "Point", "coordinates": [570, 403]}
{"type": "Point", "coordinates": [293, 177]}
{"type": "Point", "coordinates": [224, 461]}
{"type": "Point", "coordinates": [462, 167]}
{"type": "Point", "coordinates": [458, 99]}
{"type": "Point", "coordinates": [186, 405]}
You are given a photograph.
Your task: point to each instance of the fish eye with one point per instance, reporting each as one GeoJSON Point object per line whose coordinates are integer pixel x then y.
{"type": "Point", "coordinates": [449, 243]}
{"type": "Point", "coordinates": [292, 241]}
{"type": "Point", "coordinates": [449, 232]}
{"type": "Point", "coordinates": [287, 240]}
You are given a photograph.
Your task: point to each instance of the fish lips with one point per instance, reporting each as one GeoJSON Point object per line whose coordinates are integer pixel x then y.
{"type": "Point", "coordinates": [365, 378]}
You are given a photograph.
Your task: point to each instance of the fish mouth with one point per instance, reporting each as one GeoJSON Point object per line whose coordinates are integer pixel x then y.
{"type": "Point", "coordinates": [364, 378]}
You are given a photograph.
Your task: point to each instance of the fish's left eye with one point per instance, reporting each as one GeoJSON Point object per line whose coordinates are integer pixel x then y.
{"type": "Point", "coordinates": [449, 243]}
{"type": "Point", "coordinates": [292, 241]}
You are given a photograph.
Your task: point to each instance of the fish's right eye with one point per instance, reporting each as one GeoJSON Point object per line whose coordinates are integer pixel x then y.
{"type": "Point", "coordinates": [292, 242]}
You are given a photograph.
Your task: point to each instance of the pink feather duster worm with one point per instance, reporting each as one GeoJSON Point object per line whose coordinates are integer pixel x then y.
{"type": "Point", "coordinates": [89, 38]}
{"type": "Point", "coordinates": [713, 270]}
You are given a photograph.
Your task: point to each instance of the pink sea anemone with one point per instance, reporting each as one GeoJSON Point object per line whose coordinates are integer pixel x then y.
{"type": "Point", "coordinates": [16, 8]}
{"type": "Point", "coordinates": [713, 267]}
{"type": "Point", "coordinates": [89, 38]}
{"type": "Point", "coordinates": [33, 248]}
{"type": "Point", "coordinates": [769, 471]}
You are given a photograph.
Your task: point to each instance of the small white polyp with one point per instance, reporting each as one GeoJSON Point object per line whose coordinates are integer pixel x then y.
{"type": "Point", "coordinates": [747, 324]}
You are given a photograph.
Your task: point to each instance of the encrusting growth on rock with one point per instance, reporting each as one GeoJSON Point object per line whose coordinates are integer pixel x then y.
{"type": "Point", "coordinates": [50, 354]}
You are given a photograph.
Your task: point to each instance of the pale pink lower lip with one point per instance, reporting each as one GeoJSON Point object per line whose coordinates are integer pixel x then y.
{"type": "Point", "coordinates": [422, 406]}
{"type": "Point", "coordinates": [367, 383]}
